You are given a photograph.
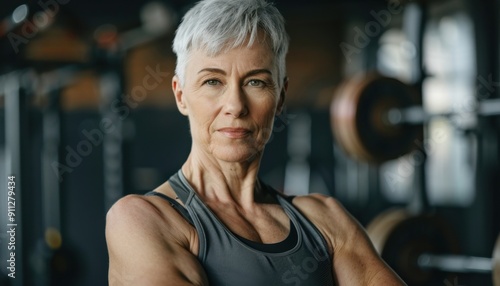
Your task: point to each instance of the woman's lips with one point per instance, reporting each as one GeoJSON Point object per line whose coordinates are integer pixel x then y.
{"type": "Point", "coordinates": [234, 133]}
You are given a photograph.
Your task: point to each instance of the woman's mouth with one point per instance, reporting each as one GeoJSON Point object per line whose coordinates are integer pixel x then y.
{"type": "Point", "coordinates": [234, 133]}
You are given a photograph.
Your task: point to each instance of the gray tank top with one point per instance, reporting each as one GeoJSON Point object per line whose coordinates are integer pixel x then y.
{"type": "Point", "coordinates": [228, 259]}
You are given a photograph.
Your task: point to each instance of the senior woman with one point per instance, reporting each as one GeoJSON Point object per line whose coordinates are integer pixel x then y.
{"type": "Point", "coordinates": [214, 222]}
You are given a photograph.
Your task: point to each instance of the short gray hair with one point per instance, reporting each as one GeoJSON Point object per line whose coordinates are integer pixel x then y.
{"type": "Point", "coordinates": [217, 26]}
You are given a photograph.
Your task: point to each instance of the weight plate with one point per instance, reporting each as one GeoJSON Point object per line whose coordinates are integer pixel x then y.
{"type": "Point", "coordinates": [401, 238]}
{"type": "Point", "coordinates": [358, 118]}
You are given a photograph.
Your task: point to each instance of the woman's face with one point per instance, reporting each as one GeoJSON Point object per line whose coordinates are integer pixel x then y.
{"type": "Point", "coordinates": [231, 100]}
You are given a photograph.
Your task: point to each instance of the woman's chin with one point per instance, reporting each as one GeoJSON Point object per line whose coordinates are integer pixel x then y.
{"type": "Point", "coordinates": [237, 155]}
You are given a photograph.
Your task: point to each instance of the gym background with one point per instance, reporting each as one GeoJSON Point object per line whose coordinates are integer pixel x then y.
{"type": "Point", "coordinates": [87, 116]}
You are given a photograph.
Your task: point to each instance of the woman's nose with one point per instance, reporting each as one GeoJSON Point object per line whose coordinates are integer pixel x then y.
{"type": "Point", "coordinates": [235, 104]}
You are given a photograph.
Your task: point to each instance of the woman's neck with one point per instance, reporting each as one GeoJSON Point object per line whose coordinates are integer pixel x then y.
{"type": "Point", "coordinates": [226, 182]}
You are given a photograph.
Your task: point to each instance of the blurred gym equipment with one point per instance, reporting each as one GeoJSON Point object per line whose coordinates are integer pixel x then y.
{"type": "Point", "coordinates": [376, 118]}
{"type": "Point", "coordinates": [32, 87]}
{"type": "Point", "coordinates": [423, 249]}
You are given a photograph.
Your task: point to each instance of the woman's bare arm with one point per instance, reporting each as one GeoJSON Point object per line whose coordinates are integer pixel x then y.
{"type": "Point", "coordinates": [149, 243]}
{"type": "Point", "coordinates": [355, 260]}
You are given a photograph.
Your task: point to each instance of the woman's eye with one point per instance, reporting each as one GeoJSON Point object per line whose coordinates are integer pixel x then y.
{"type": "Point", "coordinates": [212, 82]}
{"type": "Point", "coordinates": [256, 83]}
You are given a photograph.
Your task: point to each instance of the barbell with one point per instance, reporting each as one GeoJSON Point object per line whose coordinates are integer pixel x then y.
{"type": "Point", "coordinates": [376, 118]}
{"type": "Point", "coordinates": [424, 250]}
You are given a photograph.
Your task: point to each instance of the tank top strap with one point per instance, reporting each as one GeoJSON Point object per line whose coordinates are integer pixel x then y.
{"type": "Point", "coordinates": [312, 236]}
{"type": "Point", "coordinates": [178, 207]}
{"type": "Point", "coordinates": [178, 183]}
{"type": "Point", "coordinates": [277, 193]}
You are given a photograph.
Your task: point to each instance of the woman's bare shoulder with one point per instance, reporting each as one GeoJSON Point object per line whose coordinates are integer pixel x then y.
{"type": "Point", "coordinates": [330, 217]}
{"type": "Point", "coordinates": [153, 214]}
{"type": "Point", "coordinates": [322, 205]}
{"type": "Point", "coordinates": [145, 237]}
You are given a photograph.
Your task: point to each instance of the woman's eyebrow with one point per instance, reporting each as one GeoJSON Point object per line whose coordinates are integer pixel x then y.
{"type": "Point", "coordinates": [250, 73]}
{"type": "Point", "coordinates": [258, 71]}
{"type": "Point", "coordinates": [212, 70]}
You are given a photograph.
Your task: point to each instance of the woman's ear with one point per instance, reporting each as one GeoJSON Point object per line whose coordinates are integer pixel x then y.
{"type": "Point", "coordinates": [179, 96]}
{"type": "Point", "coordinates": [281, 100]}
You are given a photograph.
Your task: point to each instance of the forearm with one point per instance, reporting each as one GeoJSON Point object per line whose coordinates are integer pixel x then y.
{"type": "Point", "coordinates": [366, 269]}
{"type": "Point", "coordinates": [386, 277]}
